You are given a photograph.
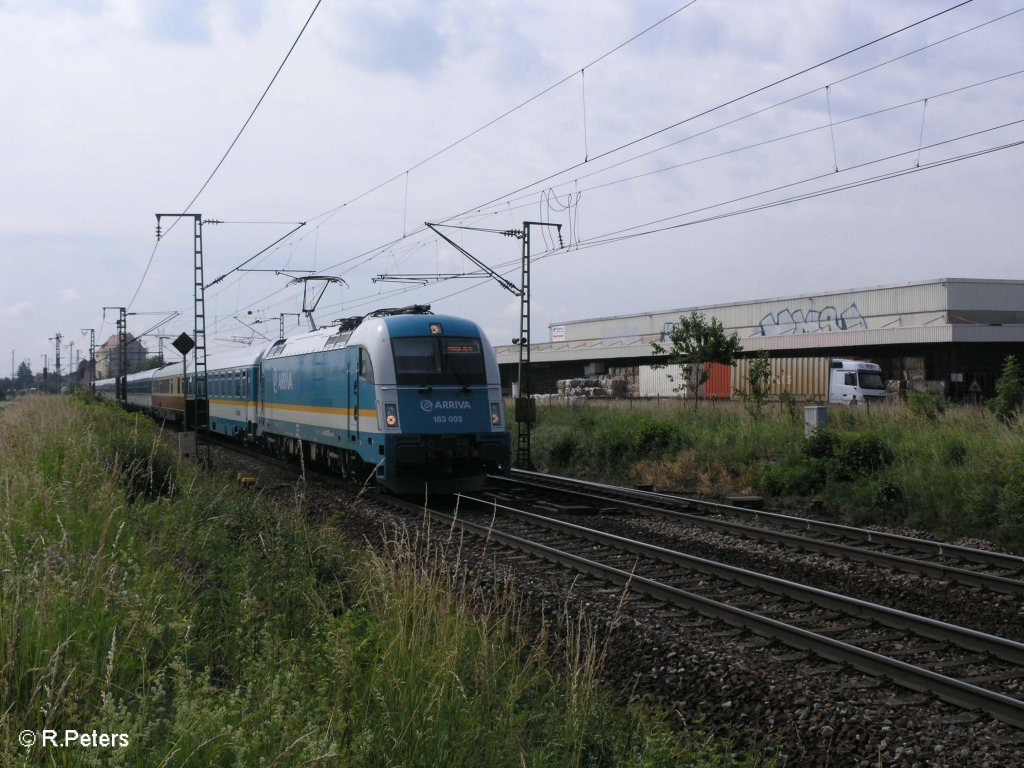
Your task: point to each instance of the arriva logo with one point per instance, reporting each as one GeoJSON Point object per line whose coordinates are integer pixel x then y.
{"type": "Point", "coordinates": [282, 381]}
{"type": "Point", "coordinates": [444, 405]}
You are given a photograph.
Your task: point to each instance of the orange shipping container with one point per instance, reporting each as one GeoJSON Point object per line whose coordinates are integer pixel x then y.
{"type": "Point", "coordinates": [719, 383]}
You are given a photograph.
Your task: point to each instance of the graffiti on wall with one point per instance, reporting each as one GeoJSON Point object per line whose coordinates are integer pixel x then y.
{"type": "Point", "coordinates": [794, 321]}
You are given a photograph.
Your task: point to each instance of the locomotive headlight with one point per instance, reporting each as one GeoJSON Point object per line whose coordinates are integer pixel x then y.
{"type": "Point", "coordinates": [391, 414]}
{"type": "Point", "coordinates": [496, 414]}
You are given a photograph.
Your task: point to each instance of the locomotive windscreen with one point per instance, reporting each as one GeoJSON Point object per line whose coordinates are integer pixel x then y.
{"type": "Point", "coordinates": [438, 360]}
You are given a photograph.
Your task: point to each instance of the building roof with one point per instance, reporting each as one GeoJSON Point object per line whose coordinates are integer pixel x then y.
{"type": "Point", "coordinates": [945, 310]}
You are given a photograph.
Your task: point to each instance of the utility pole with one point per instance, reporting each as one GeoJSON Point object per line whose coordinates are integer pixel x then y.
{"type": "Point", "coordinates": [526, 407]}
{"type": "Point", "coordinates": [202, 404]}
{"type": "Point", "coordinates": [121, 386]}
{"type": "Point", "coordinates": [56, 366]}
{"type": "Point", "coordinates": [92, 357]}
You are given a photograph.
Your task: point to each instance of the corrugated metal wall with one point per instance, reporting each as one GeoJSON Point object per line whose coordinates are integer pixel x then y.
{"type": "Point", "coordinates": [806, 378]}
{"type": "Point", "coordinates": [655, 382]}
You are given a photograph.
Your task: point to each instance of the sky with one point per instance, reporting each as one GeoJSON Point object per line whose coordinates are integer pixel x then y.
{"type": "Point", "coordinates": [693, 153]}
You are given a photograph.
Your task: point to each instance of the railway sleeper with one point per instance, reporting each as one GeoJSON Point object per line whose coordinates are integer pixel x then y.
{"type": "Point", "coordinates": [915, 651]}
{"type": "Point", "coordinates": [977, 658]}
{"type": "Point", "coordinates": [995, 677]}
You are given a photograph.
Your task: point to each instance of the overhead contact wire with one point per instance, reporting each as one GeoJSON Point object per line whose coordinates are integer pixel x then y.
{"type": "Point", "coordinates": [232, 145]}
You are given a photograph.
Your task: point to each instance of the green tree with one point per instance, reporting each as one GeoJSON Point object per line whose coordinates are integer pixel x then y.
{"type": "Point", "coordinates": [1009, 391]}
{"type": "Point", "coordinates": [23, 379]}
{"type": "Point", "coordinates": [146, 365]}
{"type": "Point", "coordinates": [694, 343]}
{"type": "Point", "coordinates": [759, 380]}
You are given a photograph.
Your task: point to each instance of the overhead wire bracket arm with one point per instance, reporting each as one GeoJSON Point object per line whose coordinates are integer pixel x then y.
{"type": "Point", "coordinates": [260, 253]}
{"type": "Point", "coordinates": [501, 280]}
{"type": "Point", "coordinates": [423, 279]}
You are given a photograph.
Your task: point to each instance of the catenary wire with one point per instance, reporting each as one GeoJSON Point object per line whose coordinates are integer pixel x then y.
{"type": "Point", "coordinates": [544, 180]}
{"type": "Point", "coordinates": [230, 147]}
{"type": "Point", "coordinates": [367, 255]}
{"type": "Point", "coordinates": [516, 108]}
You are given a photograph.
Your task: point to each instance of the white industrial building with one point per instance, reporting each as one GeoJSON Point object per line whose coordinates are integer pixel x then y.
{"type": "Point", "coordinates": [948, 335]}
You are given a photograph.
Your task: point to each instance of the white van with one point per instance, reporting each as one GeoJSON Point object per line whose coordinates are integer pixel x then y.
{"type": "Point", "coordinates": [855, 381]}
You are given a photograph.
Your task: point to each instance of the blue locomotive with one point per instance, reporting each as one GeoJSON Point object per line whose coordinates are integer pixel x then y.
{"type": "Point", "coordinates": [413, 397]}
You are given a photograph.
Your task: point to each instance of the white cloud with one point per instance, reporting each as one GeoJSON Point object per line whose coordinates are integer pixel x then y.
{"type": "Point", "coordinates": [121, 109]}
{"type": "Point", "coordinates": [17, 310]}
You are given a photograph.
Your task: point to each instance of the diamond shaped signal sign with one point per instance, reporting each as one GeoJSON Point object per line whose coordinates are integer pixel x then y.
{"type": "Point", "coordinates": [183, 343]}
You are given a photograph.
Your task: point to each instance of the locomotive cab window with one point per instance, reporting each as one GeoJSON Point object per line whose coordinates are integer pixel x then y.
{"type": "Point", "coordinates": [365, 366]}
{"type": "Point", "coordinates": [416, 357]}
{"type": "Point", "coordinates": [464, 357]}
{"type": "Point", "coordinates": [438, 360]}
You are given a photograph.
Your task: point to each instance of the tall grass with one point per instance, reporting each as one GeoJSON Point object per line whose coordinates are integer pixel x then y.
{"type": "Point", "coordinates": [959, 471]}
{"type": "Point", "coordinates": [212, 628]}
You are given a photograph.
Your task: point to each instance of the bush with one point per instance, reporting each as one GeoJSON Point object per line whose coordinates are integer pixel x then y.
{"type": "Point", "coordinates": [562, 451]}
{"type": "Point", "coordinates": [803, 479]}
{"type": "Point", "coordinates": [926, 404]}
{"type": "Point", "coordinates": [616, 446]}
{"type": "Point", "coordinates": [887, 495]}
{"type": "Point", "coordinates": [145, 467]}
{"type": "Point", "coordinates": [820, 445]}
{"type": "Point", "coordinates": [954, 454]}
{"type": "Point", "coordinates": [787, 400]}
{"type": "Point", "coordinates": [863, 455]}
{"type": "Point", "coordinates": [653, 437]}
{"type": "Point", "coordinates": [1009, 391]}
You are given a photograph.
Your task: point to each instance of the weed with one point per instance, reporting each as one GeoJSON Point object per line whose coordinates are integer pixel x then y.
{"type": "Point", "coordinates": [887, 495]}
{"type": "Point", "coordinates": [820, 444]}
{"type": "Point", "coordinates": [215, 629]}
{"type": "Point", "coordinates": [863, 455]}
{"type": "Point", "coordinates": [954, 453]}
{"type": "Point", "coordinates": [653, 437]}
{"type": "Point", "coordinates": [955, 468]}
{"type": "Point", "coordinates": [804, 478]}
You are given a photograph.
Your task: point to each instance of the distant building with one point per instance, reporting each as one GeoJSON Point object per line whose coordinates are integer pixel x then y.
{"type": "Point", "coordinates": [949, 335]}
{"type": "Point", "coordinates": [108, 359]}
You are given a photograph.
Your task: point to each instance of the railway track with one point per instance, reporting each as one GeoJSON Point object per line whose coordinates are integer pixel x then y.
{"type": "Point", "coordinates": [960, 666]}
{"type": "Point", "coordinates": [683, 631]}
{"type": "Point", "coordinates": [970, 567]}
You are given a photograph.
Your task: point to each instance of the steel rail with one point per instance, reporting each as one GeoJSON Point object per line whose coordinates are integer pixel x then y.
{"type": "Point", "coordinates": [1008, 650]}
{"type": "Point", "coordinates": [965, 576]}
{"type": "Point", "coordinates": [964, 695]}
{"type": "Point", "coordinates": [980, 556]}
